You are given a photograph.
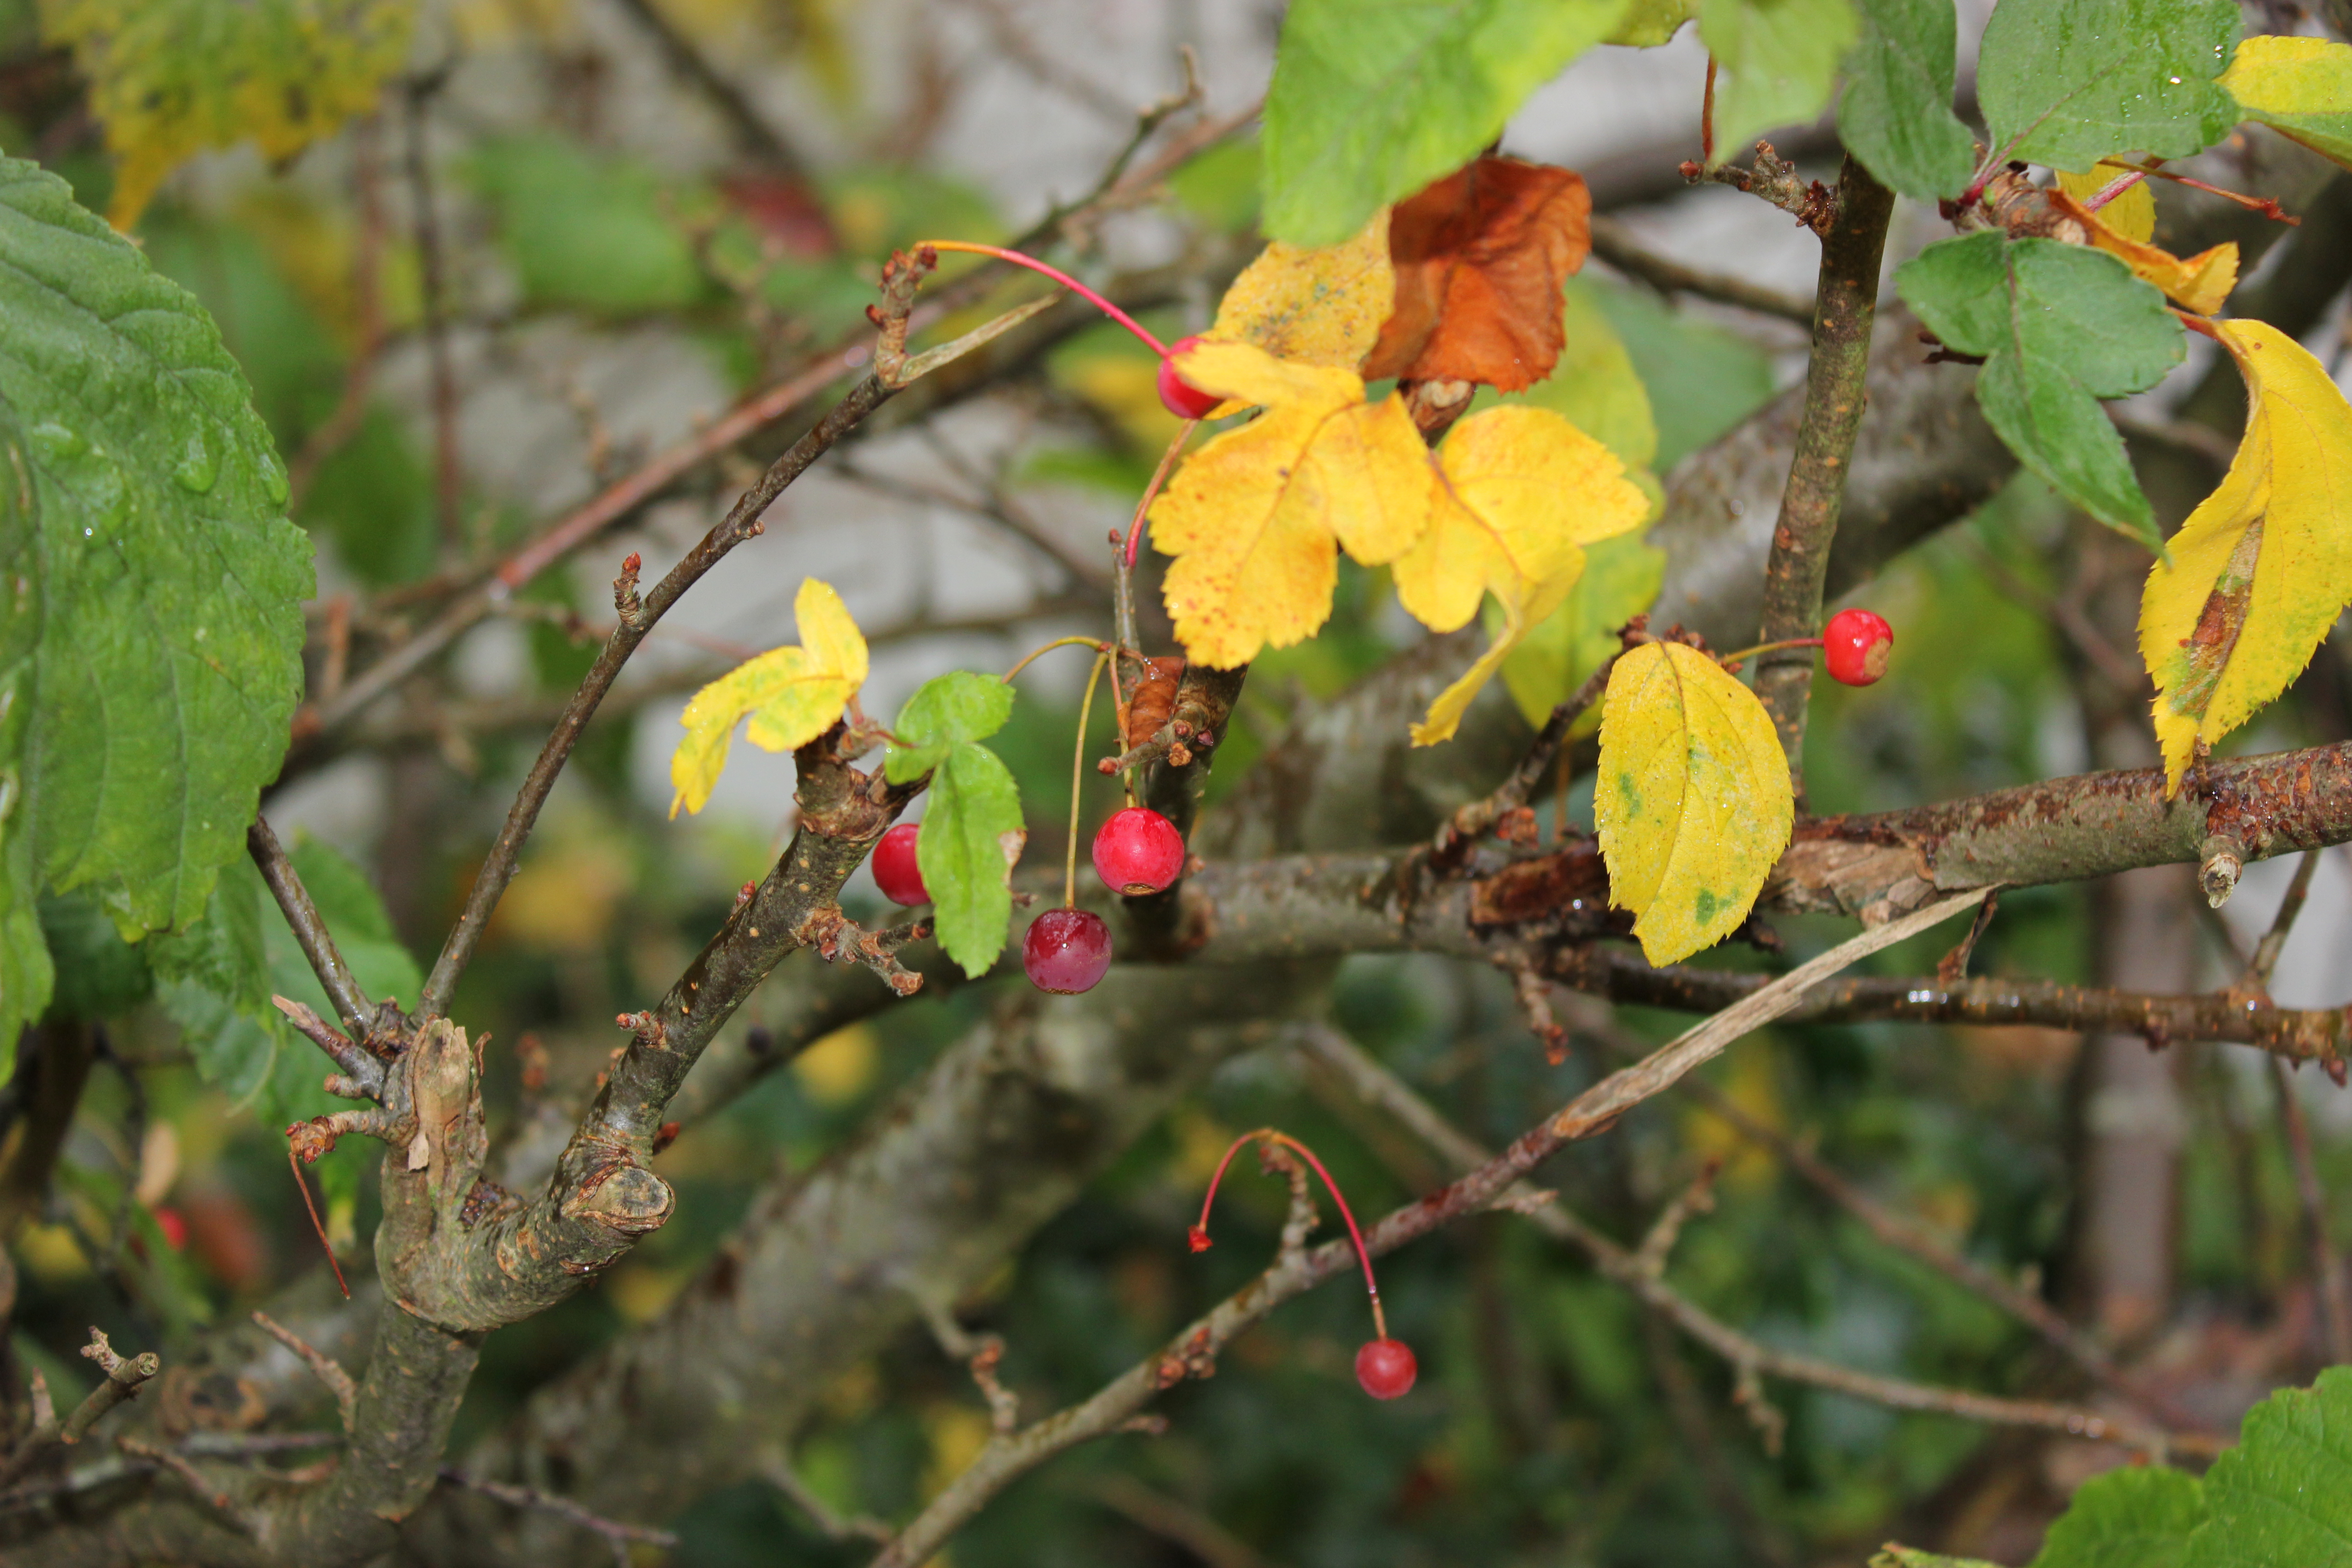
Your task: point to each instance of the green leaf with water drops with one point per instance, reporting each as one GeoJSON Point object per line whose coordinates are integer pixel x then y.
{"type": "Point", "coordinates": [150, 631]}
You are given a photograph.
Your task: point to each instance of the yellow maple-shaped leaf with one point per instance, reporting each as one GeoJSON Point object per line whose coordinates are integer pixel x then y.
{"type": "Point", "coordinates": [2201, 283]}
{"type": "Point", "coordinates": [1692, 800]}
{"type": "Point", "coordinates": [1255, 518]}
{"type": "Point", "coordinates": [791, 694]}
{"type": "Point", "coordinates": [1522, 491]}
{"type": "Point", "coordinates": [1322, 306]}
{"type": "Point", "coordinates": [2131, 214]}
{"type": "Point", "coordinates": [2300, 88]}
{"type": "Point", "coordinates": [2264, 566]}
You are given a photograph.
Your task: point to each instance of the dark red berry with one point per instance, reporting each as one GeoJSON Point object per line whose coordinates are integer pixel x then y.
{"type": "Point", "coordinates": [1066, 951]}
{"type": "Point", "coordinates": [1386, 1368]}
{"type": "Point", "coordinates": [1182, 400]}
{"type": "Point", "coordinates": [1136, 850]}
{"type": "Point", "coordinates": [1856, 644]}
{"type": "Point", "coordinates": [894, 871]}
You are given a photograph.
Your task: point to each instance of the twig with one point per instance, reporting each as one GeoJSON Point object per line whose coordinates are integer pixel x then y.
{"type": "Point", "coordinates": [1774, 180]}
{"type": "Point", "coordinates": [1615, 244]}
{"type": "Point", "coordinates": [328, 1370]}
{"type": "Point", "coordinates": [1847, 303]}
{"type": "Point", "coordinates": [752, 132]}
{"type": "Point", "coordinates": [1188, 1527]}
{"type": "Point", "coordinates": [1195, 1347]}
{"type": "Point", "coordinates": [1469, 821]}
{"type": "Point", "coordinates": [124, 1376]}
{"type": "Point", "coordinates": [1696, 1197]}
{"type": "Point", "coordinates": [179, 1465]}
{"type": "Point", "coordinates": [615, 1534]}
{"type": "Point", "coordinates": [426, 226]}
{"type": "Point", "coordinates": [778, 1472]}
{"type": "Point", "coordinates": [335, 976]}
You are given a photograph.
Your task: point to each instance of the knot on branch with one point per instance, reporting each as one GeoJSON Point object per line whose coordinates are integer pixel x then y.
{"type": "Point", "coordinates": [624, 1198]}
{"type": "Point", "coordinates": [319, 1136]}
{"type": "Point", "coordinates": [901, 276]}
{"type": "Point", "coordinates": [1776, 180]}
{"type": "Point", "coordinates": [627, 602]}
{"type": "Point", "coordinates": [1195, 1357]}
{"type": "Point", "coordinates": [837, 939]}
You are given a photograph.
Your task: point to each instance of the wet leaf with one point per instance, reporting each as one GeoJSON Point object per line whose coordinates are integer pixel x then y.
{"type": "Point", "coordinates": [1255, 518]}
{"type": "Point", "coordinates": [1370, 104]}
{"type": "Point", "coordinates": [1524, 491]}
{"type": "Point", "coordinates": [170, 78]}
{"type": "Point", "coordinates": [1481, 257]}
{"type": "Point", "coordinates": [2284, 1495]}
{"type": "Point", "coordinates": [2061, 326]}
{"type": "Point", "coordinates": [1692, 800]}
{"type": "Point", "coordinates": [970, 838]}
{"type": "Point", "coordinates": [1777, 61]}
{"type": "Point", "coordinates": [792, 695]}
{"type": "Point", "coordinates": [1896, 115]}
{"type": "Point", "coordinates": [2066, 82]}
{"type": "Point", "coordinates": [2300, 88]}
{"type": "Point", "coordinates": [2264, 566]}
{"type": "Point", "coordinates": [1314, 306]}
{"type": "Point", "coordinates": [2200, 284]}
{"type": "Point", "coordinates": [2131, 214]}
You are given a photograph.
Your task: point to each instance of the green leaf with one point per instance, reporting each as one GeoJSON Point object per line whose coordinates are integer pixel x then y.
{"type": "Point", "coordinates": [970, 838]}
{"type": "Point", "coordinates": [1703, 379]}
{"type": "Point", "coordinates": [1778, 59]}
{"type": "Point", "coordinates": [2300, 88]}
{"type": "Point", "coordinates": [946, 712]}
{"type": "Point", "coordinates": [171, 78]}
{"type": "Point", "coordinates": [1594, 384]}
{"type": "Point", "coordinates": [1896, 116]}
{"type": "Point", "coordinates": [587, 233]}
{"type": "Point", "coordinates": [1375, 98]}
{"type": "Point", "coordinates": [155, 618]}
{"type": "Point", "coordinates": [2131, 1518]}
{"type": "Point", "coordinates": [2284, 1495]}
{"type": "Point", "coordinates": [99, 975]}
{"type": "Point", "coordinates": [1649, 23]}
{"type": "Point", "coordinates": [2061, 326]}
{"type": "Point", "coordinates": [2067, 82]}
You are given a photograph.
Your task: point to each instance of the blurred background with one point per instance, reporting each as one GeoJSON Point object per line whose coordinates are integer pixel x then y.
{"type": "Point", "coordinates": [575, 235]}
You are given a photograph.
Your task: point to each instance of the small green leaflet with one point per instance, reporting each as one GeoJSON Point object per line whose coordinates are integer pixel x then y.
{"type": "Point", "coordinates": [151, 640]}
{"type": "Point", "coordinates": [2066, 82]}
{"type": "Point", "coordinates": [973, 830]}
{"type": "Point", "coordinates": [1375, 98]}
{"type": "Point", "coordinates": [1778, 59]}
{"type": "Point", "coordinates": [1896, 116]}
{"type": "Point", "coordinates": [2061, 326]}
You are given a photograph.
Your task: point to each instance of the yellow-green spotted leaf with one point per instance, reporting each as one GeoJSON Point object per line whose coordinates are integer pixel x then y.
{"type": "Point", "coordinates": [2300, 88]}
{"type": "Point", "coordinates": [2264, 566]}
{"type": "Point", "coordinates": [792, 695]}
{"type": "Point", "coordinates": [169, 79]}
{"type": "Point", "coordinates": [1692, 801]}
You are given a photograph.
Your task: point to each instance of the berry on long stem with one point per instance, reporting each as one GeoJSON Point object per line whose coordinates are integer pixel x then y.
{"type": "Point", "coordinates": [1077, 782]}
{"type": "Point", "coordinates": [1058, 275]}
{"type": "Point", "coordinates": [1199, 1235]}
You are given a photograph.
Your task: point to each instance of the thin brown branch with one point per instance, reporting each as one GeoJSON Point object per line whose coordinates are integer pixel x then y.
{"type": "Point", "coordinates": [124, 1375]}
{"type": "Point", "coordinates": [1163, 1516]}
{"type": "Point", "coordinates": [342, 988]}
{"type": "Point", "coordinates": [779, 1473]}
{"type": "Point", "coordinates": [2311, 1193]}
{"type": "Point", "coordinates": [754, 134]}
{"type": "Point", "coordinates": [1775, 179]}
{"type": "Point", "coordinates": [179, 1466]}
{"type": "Point", "coordinates": [1615, 243]}
{"type": "Point", "coordinates": [425, 228]}
{"type": "Point", "coordinates": [328, 1370]}
{"type": "Point", "coordinates": [614, 1534]}
{"type": "Point", "coordinates": [1846, 304]}
{"type": "Point", "coordinates": [1512, 794]}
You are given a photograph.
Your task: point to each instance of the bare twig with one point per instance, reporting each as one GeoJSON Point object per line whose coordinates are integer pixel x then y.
{"type": "Point", "coordinates": [778, 1472]}
{"type": "Point", "coordinates": [335, 976]}
{"type": "Point", "coordinates": [1774, 180]}
{"type": "Point", "coordinates": [1615, 244]}
{"type": "Point", "coordinates": [1163, 1516]}
{"type": "Point", "coordinates": [614, 1534]}
{"type": "Point", "coordinates": [124, 1376]}
{"type": "Point", "coordinates": [179, 1466]}
{"type": "Point", "coordinates": [752, 132]}
{"type": "Point", "coordinates": [328, 1370]}
{"type": "Point", "coordinates": [1469, 821]}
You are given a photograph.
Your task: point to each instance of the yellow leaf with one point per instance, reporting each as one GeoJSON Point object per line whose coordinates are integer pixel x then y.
{"type": "Point", "coordinates": [1620, 580]}
{"type": "Point", "coordinates": [791, 694]}
{"type": "Point", "coordinates": [2131, 214]}
{"type": "Point", "coordinates": [1255, 518]}
{"type": "Point", "coordinates": [1317, 306]}
{"type": "Point", "coordinates": [1523, 492]}
{"type": "Point", "coordinates": [169, 79]}
{"type": "Point", "coordinates": [2264, 566]}
{"type": "Point", "coordinates": [2200, 284]}
{"type": "Point", "coordinates": [2300, 88]}
{"type": "Point", "coordinates": [1692, 802]}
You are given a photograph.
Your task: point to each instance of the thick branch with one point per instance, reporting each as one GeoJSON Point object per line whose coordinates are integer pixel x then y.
{"type": "Point", "coordinates": [1845, 307]}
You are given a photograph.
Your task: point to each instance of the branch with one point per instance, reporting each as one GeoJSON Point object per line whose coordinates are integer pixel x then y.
{"type": "Point", "coordinates": [328, 1370]}
{"type": "Point", "coordinates": [335, 976]}
{"type": "Point", "coordinates": [615, 1534]}
{"type": "Point", "coordinates": [124, 1376]}
{"type": "Point", "coordinates": [1616, 244]}
{"type": "Point", "coordinates": [1851, 246]}
{"type": "Point", "coordinates": [751, 129]}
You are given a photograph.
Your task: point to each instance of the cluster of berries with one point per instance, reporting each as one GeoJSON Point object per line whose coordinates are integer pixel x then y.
{"type": "Point", "coordinates": [1136, 850]}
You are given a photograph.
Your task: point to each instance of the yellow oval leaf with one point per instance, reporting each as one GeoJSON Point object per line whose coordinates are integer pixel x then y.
{"type": "Point", "coordinates": [1523, 492]}
{"type": "Point", "coordinates": [791, 694]}
{"type": "Point", "coordinates": [1321, 307]}
{"type": "Point", "coordinates": [1692, 801]}
{"type": "Point", "coordinates": [2131, 214]}
{"type": "Point", "coordinates": [1255, 518]}
{"type": "Point", "coordinates": [2264, 566]}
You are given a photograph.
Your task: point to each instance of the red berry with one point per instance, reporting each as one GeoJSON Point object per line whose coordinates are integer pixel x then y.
{"type": "Point", "coordinates": [1386, 1368]}
{"type": "Point", "coordinates": [894, 871]}
{"type": "Point", "coordinates": [1066, 951]}
{"type": "Point", "coordinates": [1856, 644]}
{"type": "Point", "coordinates": [175, 1228]}
{"type": "Point", "coordinates": [1138, 850]}
{"type": "Point", "coordinates": [1178, 397]}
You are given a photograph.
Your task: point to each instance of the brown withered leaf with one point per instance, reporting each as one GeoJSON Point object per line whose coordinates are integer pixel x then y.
{"type": "Point", "coordinates": [1480, 259]}
{"type": "Point", "coordinates": [1153, 697]}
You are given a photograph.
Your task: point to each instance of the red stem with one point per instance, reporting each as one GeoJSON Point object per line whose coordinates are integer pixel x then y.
{"type": "Point", "coordinates": [1151, 491]}
{"type": "Point", "coordinates": [1706, 116]}
{"type": "Point", "coordinates": [1200, 1236]}
{"type": "Point", "coordinates": [1058, 275]}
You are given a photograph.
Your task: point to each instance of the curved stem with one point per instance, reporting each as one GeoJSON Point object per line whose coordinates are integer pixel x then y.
{"type": "Point", "coordinates": [1732, 660]}
{"type": "Point", "coordinates": [1200, 1233]}
{"type": "Point", "coordinates": [1077, 779]}
{"type": "Point", "coordinates": [1058, 275]}
{"type": "Point", "coordinates": [1151, 491]}
{"type": "Point", "coordinates": [1035, 654]}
